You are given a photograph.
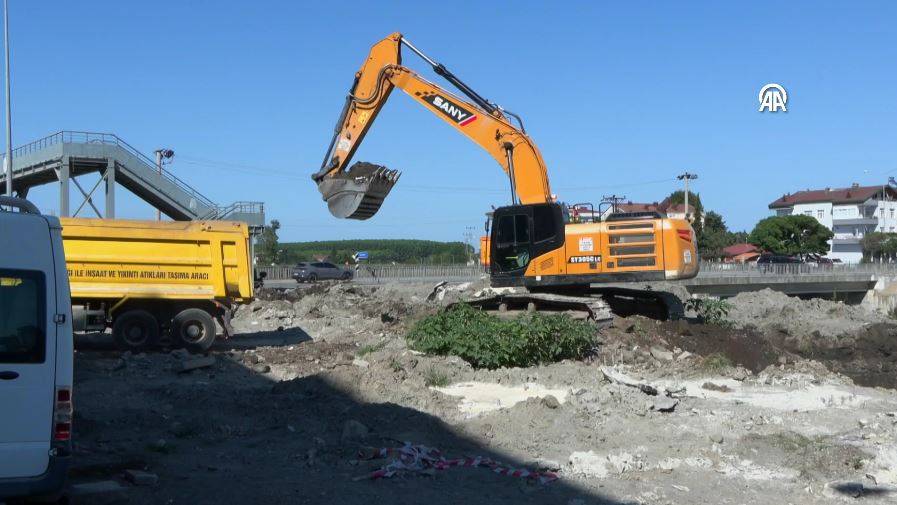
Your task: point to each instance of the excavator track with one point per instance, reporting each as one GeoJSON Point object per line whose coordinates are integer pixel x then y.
{"type": "Point", "coordinates": [593, 309]}
{"type": "Point", "coordinates": [596, 304]}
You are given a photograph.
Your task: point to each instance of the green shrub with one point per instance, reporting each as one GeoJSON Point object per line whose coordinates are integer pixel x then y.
{"type": "Point", "coordinates": [435, 378]}
{"type": "Point", "coordinates": [716, 362]}
{"type": "Point", "coordinates": [486, 341]}
{"type": "Point", "coordinates": [369, 348]}
{"type": "Point", "coordinates": [710, 310]}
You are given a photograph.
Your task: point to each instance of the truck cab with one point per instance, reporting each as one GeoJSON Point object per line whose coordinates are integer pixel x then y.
{"type": "Point", "coordinates": [35, 353]}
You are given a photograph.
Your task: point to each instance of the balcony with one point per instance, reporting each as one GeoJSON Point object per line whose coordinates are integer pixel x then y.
{"type": "Point", "coordinates": [853, 221]}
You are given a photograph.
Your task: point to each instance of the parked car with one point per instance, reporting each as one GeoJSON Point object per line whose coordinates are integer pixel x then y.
{"type": "Point", "coordinates": [311, 272]}
{"type": "Point", "coordinates": [35, 354]}
{"type": "Point", "coordinates": [769, 258]}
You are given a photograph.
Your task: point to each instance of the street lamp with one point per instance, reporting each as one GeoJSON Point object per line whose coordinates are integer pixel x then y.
{"type": "Point", "coordinates": [161, 155]}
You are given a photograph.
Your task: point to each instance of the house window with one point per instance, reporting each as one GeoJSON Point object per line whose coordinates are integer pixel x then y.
{"type": "Point", "coordinates": [808, 212]}
{"type": "Point", "coordinates": [819, 215]}
{"type": "Point", "coordinates": [892, 212]}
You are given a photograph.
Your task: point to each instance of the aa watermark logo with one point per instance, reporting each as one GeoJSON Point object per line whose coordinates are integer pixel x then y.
{"type": "Point", "coordinates": [773, 98]}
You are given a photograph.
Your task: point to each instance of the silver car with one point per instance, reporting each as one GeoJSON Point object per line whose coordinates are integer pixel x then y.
{"type": "Point", "coordinates": [311, 272]}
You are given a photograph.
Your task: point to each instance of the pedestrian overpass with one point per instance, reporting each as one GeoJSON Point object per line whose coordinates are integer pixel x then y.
{"type": "Point", "coordinates": [64, 156]}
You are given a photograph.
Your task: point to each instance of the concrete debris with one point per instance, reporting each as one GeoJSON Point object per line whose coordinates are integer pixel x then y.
{"type": "Point", "coordinates": [661, 354]}
{"type": "Point", "coordinates": [196, 363]}
{"type": "Point", "coordinates": [97, 487]}
{"type": "Point", "coordinates": [354, 430]}
{"type": "Point", "coordinates": [621, 378]}
{"type": "Point", "coordinates": [550, 402]}
{"type": "Point", "coordinates": [141, 478]}
{"type": "Point", "coordinates": [664, 404]}
{"type": "Point", "coordinates": [710, 386]}
{"type": "Point", "coordinates": [438, 292]}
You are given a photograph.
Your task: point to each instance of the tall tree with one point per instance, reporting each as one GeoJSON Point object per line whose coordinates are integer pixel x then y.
{"type": "Point", "coordinates": [714, 237]}
{"type": "Point", "coordinates": [792, 235]}
{"type": "Point", "coordinates": [694, 200]}
{"type": "Point", "coordinates": [267, 245]}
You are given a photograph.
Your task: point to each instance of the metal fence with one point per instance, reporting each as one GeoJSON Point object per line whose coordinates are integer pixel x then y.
{"type": "Point", "coordinates": [280, 272]}
{"type": "Point", "coordinates": [707, 269]}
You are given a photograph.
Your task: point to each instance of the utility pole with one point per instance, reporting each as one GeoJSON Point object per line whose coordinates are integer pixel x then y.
{"type": "Point", "coordinates": [686, 176]}
{"type": "Point", "coordinates": [8, 160]}
{"type": "Point", "coordinates": [468, 237]}
{"type": "Point", "coordinates": [613, 200]}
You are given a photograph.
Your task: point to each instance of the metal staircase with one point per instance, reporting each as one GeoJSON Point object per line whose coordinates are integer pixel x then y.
{"type": "Point", "coordinates": [65, 155]}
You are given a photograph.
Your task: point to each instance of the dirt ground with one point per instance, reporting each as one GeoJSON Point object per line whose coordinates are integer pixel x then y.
{"type": "Point", "coordinates": [764, 411]}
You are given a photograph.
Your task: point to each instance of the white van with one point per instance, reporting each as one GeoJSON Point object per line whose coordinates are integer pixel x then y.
{"type": "Point", "coordinates": [35, 353]}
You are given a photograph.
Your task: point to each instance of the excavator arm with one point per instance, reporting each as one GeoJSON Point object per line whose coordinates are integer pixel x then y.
{"type": "Point", "coordinates": [359, 191]}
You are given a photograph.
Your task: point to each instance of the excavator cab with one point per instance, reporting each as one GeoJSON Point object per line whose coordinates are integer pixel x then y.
{"type": "Point", "coordinates": [521, 233]}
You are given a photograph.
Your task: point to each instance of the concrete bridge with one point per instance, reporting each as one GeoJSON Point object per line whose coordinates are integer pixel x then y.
{"type": "Point", "coordinates": [872, 283]}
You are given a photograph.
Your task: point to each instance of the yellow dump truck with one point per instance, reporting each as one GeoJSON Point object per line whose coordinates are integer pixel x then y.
{"type": "Point", "coordinates": [149, 279]}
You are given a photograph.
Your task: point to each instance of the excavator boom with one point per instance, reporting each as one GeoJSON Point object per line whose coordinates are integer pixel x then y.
{"type": "Point", "coordinates": [357, 192]}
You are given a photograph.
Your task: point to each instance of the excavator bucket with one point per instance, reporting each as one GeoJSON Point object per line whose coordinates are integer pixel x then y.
{"type": "Point", "coordinates": [359, 192]}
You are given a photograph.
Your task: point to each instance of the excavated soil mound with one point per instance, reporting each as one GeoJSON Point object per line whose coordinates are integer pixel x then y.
{"type": "Point", "coordinates": [772, 311]}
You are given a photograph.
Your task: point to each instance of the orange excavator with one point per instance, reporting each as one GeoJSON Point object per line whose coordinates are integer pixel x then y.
{"type": "Point", "coordinates": [559, 253]}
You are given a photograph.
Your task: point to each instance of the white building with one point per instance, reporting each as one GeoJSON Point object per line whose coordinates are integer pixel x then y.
{"type": "Point", "coordinates": [849, 212]}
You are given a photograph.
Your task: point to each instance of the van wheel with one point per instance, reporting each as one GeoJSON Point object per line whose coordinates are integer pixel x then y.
{"type": "Point", "coordinates": [194, 329]}
{"type": "Point", "coordinates": [135, 330]}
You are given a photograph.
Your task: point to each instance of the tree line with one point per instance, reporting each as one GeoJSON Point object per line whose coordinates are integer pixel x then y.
{"type": "Point", "coordinates": [269, 250]}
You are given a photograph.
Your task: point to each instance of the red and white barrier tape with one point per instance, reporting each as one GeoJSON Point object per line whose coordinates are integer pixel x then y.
{"type": "Point", "coordinates": [421, 459]}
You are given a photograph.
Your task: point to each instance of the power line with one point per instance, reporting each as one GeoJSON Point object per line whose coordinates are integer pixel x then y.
{"type": "Point", "coordinates": [256, 170]}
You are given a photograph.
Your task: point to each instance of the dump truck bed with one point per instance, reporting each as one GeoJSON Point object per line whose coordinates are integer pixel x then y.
{"type": "Point", "coordinates": [114, 259]}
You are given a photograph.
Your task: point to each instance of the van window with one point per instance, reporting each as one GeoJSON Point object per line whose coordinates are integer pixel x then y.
{"type": "Point", "coordinates": [22, 316]}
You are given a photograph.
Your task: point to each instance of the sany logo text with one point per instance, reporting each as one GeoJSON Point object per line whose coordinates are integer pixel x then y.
{"type": "Point", "coordinates": [455, 112]}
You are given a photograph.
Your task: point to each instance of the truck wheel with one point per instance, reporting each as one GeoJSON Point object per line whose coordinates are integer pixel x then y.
{"type": "Point", "coordinates": [194, 329]}
{"type": "Point", "coordinates": [135, 330]}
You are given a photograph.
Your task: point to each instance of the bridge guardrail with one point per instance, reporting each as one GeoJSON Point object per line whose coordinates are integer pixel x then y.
{"type": "Point", "coordinates": [374, 271]}
{"type": "Point", "coordinates": [707, 269]}
{"type": "Point", "coordinates": [716, 269]}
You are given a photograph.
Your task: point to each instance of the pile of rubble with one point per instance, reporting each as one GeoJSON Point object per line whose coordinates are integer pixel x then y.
{"type": "Point", "coordinates": [770, 311]}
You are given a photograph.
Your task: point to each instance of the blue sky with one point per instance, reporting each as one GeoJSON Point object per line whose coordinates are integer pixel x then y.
{"type": "Point", "coordinates": [619, 96]}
